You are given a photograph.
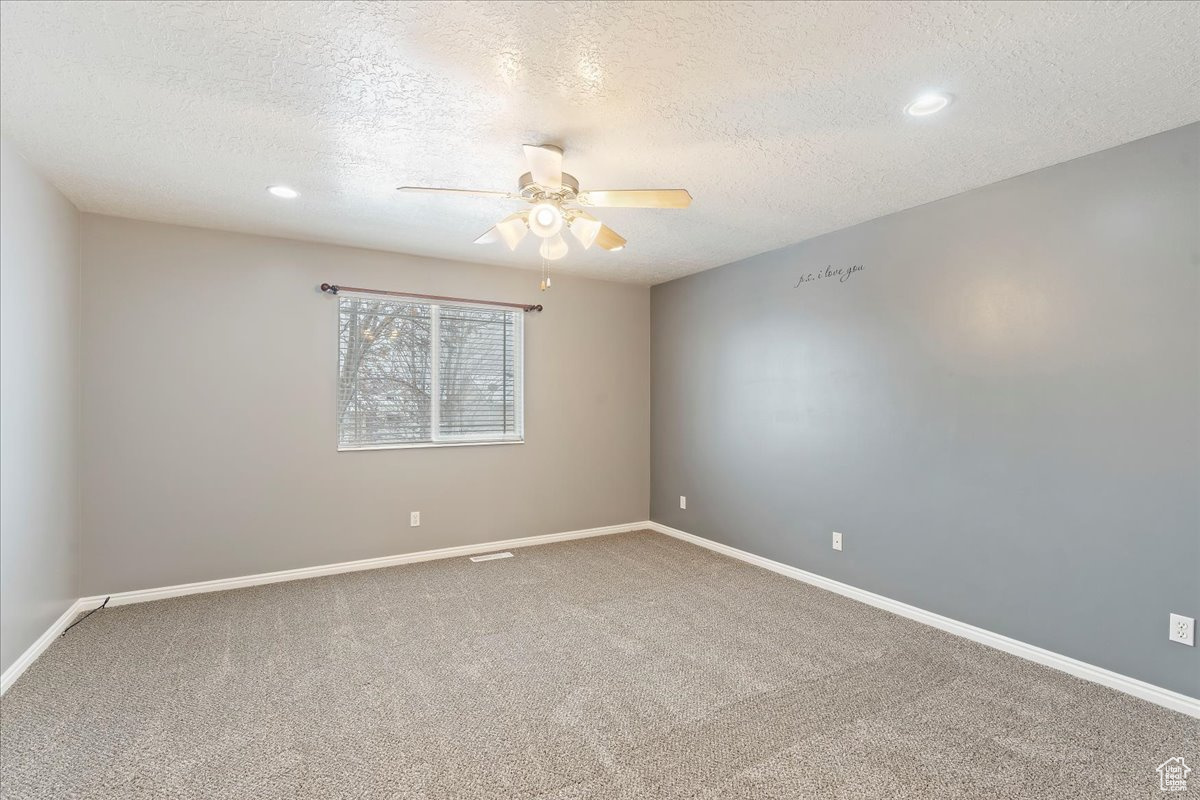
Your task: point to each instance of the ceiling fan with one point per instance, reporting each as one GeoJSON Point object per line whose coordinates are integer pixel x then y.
{"type": "Point", "coordinates": [557, 202]}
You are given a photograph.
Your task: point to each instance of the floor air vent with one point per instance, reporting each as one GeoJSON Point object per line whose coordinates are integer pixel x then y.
{"type": "Point", "coordinates": [492, 556]}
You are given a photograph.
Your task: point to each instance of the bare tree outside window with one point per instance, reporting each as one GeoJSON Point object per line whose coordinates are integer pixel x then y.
{"type": "Point", "coordinates": [396, 358]}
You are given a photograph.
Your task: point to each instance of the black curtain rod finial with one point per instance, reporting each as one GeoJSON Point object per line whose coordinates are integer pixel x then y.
{"type": "Point", "coordinates": [329, 287]}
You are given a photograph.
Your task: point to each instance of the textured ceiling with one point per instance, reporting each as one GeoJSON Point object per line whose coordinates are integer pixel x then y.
{"type": "Point", "coordinates": [782, 119]}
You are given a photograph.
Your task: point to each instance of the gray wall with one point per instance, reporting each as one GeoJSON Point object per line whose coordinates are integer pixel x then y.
{"type": "Point", "coordinates": [39, 355]}
{"type": "Point", "coordinates": [210, 366]}
{"type": "Point", "coordinates": [1000, 412]}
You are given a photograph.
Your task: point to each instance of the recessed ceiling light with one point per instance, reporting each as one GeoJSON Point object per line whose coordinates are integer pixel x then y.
{"type": "Point", "coordinates": [286, 192]}
{"type": "Point", "coordinates": [927, 104]}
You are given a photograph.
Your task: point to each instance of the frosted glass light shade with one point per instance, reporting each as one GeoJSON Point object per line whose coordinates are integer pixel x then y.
{"type": "Point", "coordinates": [585, 230]}
{"type": "Point", "coordinates": [553, 248]}
{"type": "Point", "coordinates": [545, 220]}
{"type": "Point", "coordinates": [512, 230]}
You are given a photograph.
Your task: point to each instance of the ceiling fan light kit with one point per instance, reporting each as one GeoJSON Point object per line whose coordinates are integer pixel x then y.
{"type": "Point", "coordinates": [512, 229]}
{"type": "Point", "coordinates": [585, 228]}
{"type": "Point", "coordinates": [556, 201]}
{"type": "Point", "coordinates": [554, 248]}
{"type": "Point", "coordinates": [545, 219]}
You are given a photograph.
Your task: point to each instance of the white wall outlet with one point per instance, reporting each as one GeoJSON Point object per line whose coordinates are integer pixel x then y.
{"type": "Point", "coordinates": [682, 501]}
{"type": "Point", "coordinates": [1183, 630]}
{"type": "Point", "coordinates": [837, 541]}
{"type": "Point", "coordinates": [414, 519]}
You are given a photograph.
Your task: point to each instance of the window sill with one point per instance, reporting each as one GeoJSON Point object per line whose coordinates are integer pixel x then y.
{"type": "Point", "coordinates": [423, 445]}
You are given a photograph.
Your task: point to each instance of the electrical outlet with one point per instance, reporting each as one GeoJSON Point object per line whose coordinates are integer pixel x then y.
{"type": "Point", "coordinates": [1183, 630]}
{"type": "Point", "coordinates": [414, 519]}
{"type": "Point", "coordinates": [837, 541]}
{"type": "Point", "coordinates": [682, 501]}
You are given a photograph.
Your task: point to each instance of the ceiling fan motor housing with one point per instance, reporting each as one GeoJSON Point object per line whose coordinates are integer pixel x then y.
{"type": "Point", "coordinates": [531, 190]}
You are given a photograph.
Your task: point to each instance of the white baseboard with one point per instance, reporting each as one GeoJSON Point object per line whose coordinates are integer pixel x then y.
{"type": "Point", "coordinates": [37, 648]}
{"type": "Point", "coordinates": [1145, 691]}
{"type": "Point", "coordinates": [145, 595]}
{"type": "Point", "coordinates": [1080, 669]}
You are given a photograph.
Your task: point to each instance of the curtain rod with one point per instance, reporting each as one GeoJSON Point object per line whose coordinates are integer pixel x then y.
{"type": "Point", "coordinates": [331, 289]}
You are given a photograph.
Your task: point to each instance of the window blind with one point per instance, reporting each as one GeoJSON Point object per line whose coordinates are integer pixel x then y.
{"type": "Point", "coordinates": [426, 374]}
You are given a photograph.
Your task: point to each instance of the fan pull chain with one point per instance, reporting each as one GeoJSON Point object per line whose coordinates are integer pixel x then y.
{"type": "Point", "coordinates": [545, 274]}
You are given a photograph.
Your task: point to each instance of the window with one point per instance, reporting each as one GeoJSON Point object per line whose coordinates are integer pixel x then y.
{"type": "Point", "coordinates": [420, 374]}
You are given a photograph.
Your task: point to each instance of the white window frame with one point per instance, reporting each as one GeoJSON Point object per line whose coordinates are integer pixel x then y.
{"type": "Point", "coordinates": [437, 440]}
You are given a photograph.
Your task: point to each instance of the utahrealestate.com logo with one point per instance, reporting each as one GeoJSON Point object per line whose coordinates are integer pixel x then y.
{"type": "Point", "coordinates": [1173, 774]}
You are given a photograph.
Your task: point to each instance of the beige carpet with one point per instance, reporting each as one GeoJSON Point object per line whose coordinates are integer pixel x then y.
{"type": "Point", "coordinates": [628, 666]}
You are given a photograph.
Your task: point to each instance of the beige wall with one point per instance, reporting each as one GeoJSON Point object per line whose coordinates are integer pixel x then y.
{"type": "Point", "coordinates": [39, 390]}
{"type": "Point", "coordinates": [209, 371]}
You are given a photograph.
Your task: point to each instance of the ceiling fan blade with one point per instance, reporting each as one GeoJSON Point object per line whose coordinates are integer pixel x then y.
{"type": "Point", "coordinates": [463, 192]}
{"type": "Point", "coordinates": [545, 164]}
{"type": "Point", "coordinates": [609, 239]}
{"type": "Point", "coordinates": [636, 198]}
{"type": "Point", "coordinates": [492, 235]}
